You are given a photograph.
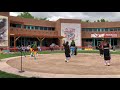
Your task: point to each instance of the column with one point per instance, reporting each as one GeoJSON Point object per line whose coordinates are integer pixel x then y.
{"type": "Point", "coordinates": [14, 42]}
{"type": "Point", "coordinates": [110, 41]}
{"type": "Point", "coordinates": [113, 41]}
{"type": "Point", "coordinates": [94, 42]}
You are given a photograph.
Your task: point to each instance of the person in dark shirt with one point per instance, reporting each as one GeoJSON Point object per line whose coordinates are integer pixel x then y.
{"type": "Point", "coordinates": [107, 56]}
{"type": "Point", "coordinates": [100, 48]}
{"type": "Point", "coordinates": [67, 51]}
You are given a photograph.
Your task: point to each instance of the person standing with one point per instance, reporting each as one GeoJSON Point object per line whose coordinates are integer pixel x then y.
{"type": "Point", "coordinates": [107, 56]}
{"type": "Point", "coordinates": [100, 48]}
{"type": "Point", "coordinates": [72, 47]}
{"type": "Point", "coordinates": [67, 51]}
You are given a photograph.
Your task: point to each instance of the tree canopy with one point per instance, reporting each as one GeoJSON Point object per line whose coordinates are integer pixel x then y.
{"type": "Point", "coordinates": [28, 15]}
{"type": "Point", "coordinates": [101, 20]}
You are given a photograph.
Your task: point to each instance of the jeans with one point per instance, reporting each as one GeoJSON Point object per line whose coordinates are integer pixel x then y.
{"type": "Point", "coordinates": [72, 49]}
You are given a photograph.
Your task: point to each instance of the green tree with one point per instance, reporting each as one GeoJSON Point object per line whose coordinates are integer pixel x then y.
{"type": "Point", "coordinates": [98, 20]}
{"type": "Point", "coordinates": [28, 15]}
{"type": "Point", "coordinates": [87, 21]}
{"type": "Point", "coordinates": [103, 20]}
{"type": "Point", "coordinates": [25, 15]}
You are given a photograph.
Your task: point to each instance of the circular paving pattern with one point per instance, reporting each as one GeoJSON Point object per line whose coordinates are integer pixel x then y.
{"type": "Point", "coordinates": [82, 64]}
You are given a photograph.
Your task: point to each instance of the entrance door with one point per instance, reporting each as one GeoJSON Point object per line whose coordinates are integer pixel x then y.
{"type": "Point", "coordinates": [98, 42]}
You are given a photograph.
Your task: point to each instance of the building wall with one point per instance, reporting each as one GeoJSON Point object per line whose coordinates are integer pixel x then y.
{"type": "Point", "coordinates": [57, 24]}
{"type": "Point", "coordinates": [4, 13]}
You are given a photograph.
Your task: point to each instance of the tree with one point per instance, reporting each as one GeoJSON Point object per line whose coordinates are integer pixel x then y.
{"type": "Point", "coordinates": [98, 20]}
{"type": "Point", "coordinates": [87, 21]}
{"type": "Point", "coordinates": [28, 15]}
{"type": "Point", "coordinates": [25, 15]}
{"type": "Point", "coordinates": [103, 20]}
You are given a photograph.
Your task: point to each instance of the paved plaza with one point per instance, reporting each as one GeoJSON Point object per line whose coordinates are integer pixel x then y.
{"type": "Point", "coordinates": [54, 66]}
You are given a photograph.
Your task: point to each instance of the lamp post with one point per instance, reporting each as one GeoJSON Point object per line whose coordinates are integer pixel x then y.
{"type": "Point", "coordinates": [21, 70]}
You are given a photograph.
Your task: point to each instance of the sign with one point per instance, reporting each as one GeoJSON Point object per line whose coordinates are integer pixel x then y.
{"type": "Point", "coordinates": [3, 31]}
{"type": "Point", "coordinates": [71, 31]}
{"type": "Point", "coordinates": [103, 35]}
{"type": "Point", "coordinates": [110, 35]}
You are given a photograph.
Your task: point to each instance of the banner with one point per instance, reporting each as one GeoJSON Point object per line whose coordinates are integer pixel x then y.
{"type": "Point", "coordinates": [71, 31]}
{"type": "Point", "coordinates": [103, 35]}
{"type": "Point", "coordinates": [3, 31]}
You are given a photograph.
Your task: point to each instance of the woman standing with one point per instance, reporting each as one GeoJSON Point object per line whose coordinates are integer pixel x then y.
{"type": "Point", "coordinates": [67, 51]}
{"type": "Point", "coordinates": [107, 56]}
{"type": "Point", "coordinates": [100, 48]}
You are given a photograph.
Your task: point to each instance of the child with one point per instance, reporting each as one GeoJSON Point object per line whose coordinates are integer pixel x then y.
{"type": "Point", "coordinates": [67, 51]}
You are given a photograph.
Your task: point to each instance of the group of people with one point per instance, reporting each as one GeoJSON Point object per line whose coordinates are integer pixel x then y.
{"type": "Point", "coordinates": [104, 49]}
{"type": "Point", "coordinates": [33, 49]}
{"type": "Point", "coordinates": [69, 50]}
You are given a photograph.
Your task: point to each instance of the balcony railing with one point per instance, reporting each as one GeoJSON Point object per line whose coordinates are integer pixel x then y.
{"type": "Point", "coordinates": [30, 32]}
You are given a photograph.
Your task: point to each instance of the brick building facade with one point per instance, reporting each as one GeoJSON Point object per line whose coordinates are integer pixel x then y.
{"type": "Point", "coordinates": [23, 31]}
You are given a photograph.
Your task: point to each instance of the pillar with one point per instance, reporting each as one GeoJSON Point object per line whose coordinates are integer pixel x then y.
{"type": "Point", "coordinates": [110, 41]}
{"type": "Point", "coordinates": [14, 42]}
{"type": "Point", "coordinates": [93, 42]}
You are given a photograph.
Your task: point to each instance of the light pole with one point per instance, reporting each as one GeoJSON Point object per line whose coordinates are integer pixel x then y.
{"type": "Point", "coordinates": [21, 70]}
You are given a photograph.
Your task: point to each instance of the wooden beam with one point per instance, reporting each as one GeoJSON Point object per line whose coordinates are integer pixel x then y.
{"type": "Point", "coordinates": [17, 38]}
{"type": "Point", "coordinates": [42, 39]}
{"type": "Point", "coordinates": [38, 39]}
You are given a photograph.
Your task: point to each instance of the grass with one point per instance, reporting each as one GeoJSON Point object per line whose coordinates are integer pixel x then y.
{"type": "Point", "coordinates": [8, 75]}
{"type": "Point", "coordinates": [2, 56]}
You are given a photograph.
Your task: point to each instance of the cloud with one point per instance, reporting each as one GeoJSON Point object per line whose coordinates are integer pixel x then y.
{"type": "Point", "coordinates": [13, 14]}
{"type": "Point", "coordinates": [92, 16]}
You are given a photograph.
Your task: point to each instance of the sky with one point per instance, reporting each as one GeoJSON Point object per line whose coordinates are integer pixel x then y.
{"type": "Point", "coordinates": [92, 16]}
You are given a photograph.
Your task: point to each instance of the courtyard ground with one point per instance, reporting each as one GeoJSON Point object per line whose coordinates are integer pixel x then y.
{"type": "Point", "coordinates": [82, 64]}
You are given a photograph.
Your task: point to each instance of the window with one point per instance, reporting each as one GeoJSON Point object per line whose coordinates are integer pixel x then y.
{"type": "Point", "coordinates": [36, 27]}
{"type": "Point", "coordinates": [28, 27]}
{"type": "Point", "coordinates": [98, 29]}
{"type": "Point", "coordinates": [90, 29]}
{"type": "Point", "coordinates": [45, 28]}
{"type": "Point", "coordinates": [53, 28]}
{"type": "Point", "coordinates": [32, 27]}
{"type": "Point", "coordinates": [13, 25]}
{"type": "Point", "coordinates": [111, 29]}
{"type": "Point", "coordinates": [118, 29]}
{"type": "Point", "coordinates": [106, 29]}
{"type": "Point", "coordinates": [115, 29]}
{"type": "Point", "coordinates": [95, 29]}
{"type": "Point", "coordinates": [102, 29]}
{"type": "Point", "coordinates": [41, 28]}
{"type": "Point", "coordinates": [49, 28]}
{"type": "Point", "coordinates": [83, 29]}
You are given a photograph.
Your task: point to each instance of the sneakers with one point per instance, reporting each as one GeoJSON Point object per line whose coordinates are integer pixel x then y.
{"type": "Point", "coordinates": [66, 60]}
{"type": "Point", "coordinates": [108, 64]}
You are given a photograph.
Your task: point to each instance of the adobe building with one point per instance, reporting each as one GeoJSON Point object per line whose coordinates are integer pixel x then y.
{"type": "Point", "coordinates": [22, 31]}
